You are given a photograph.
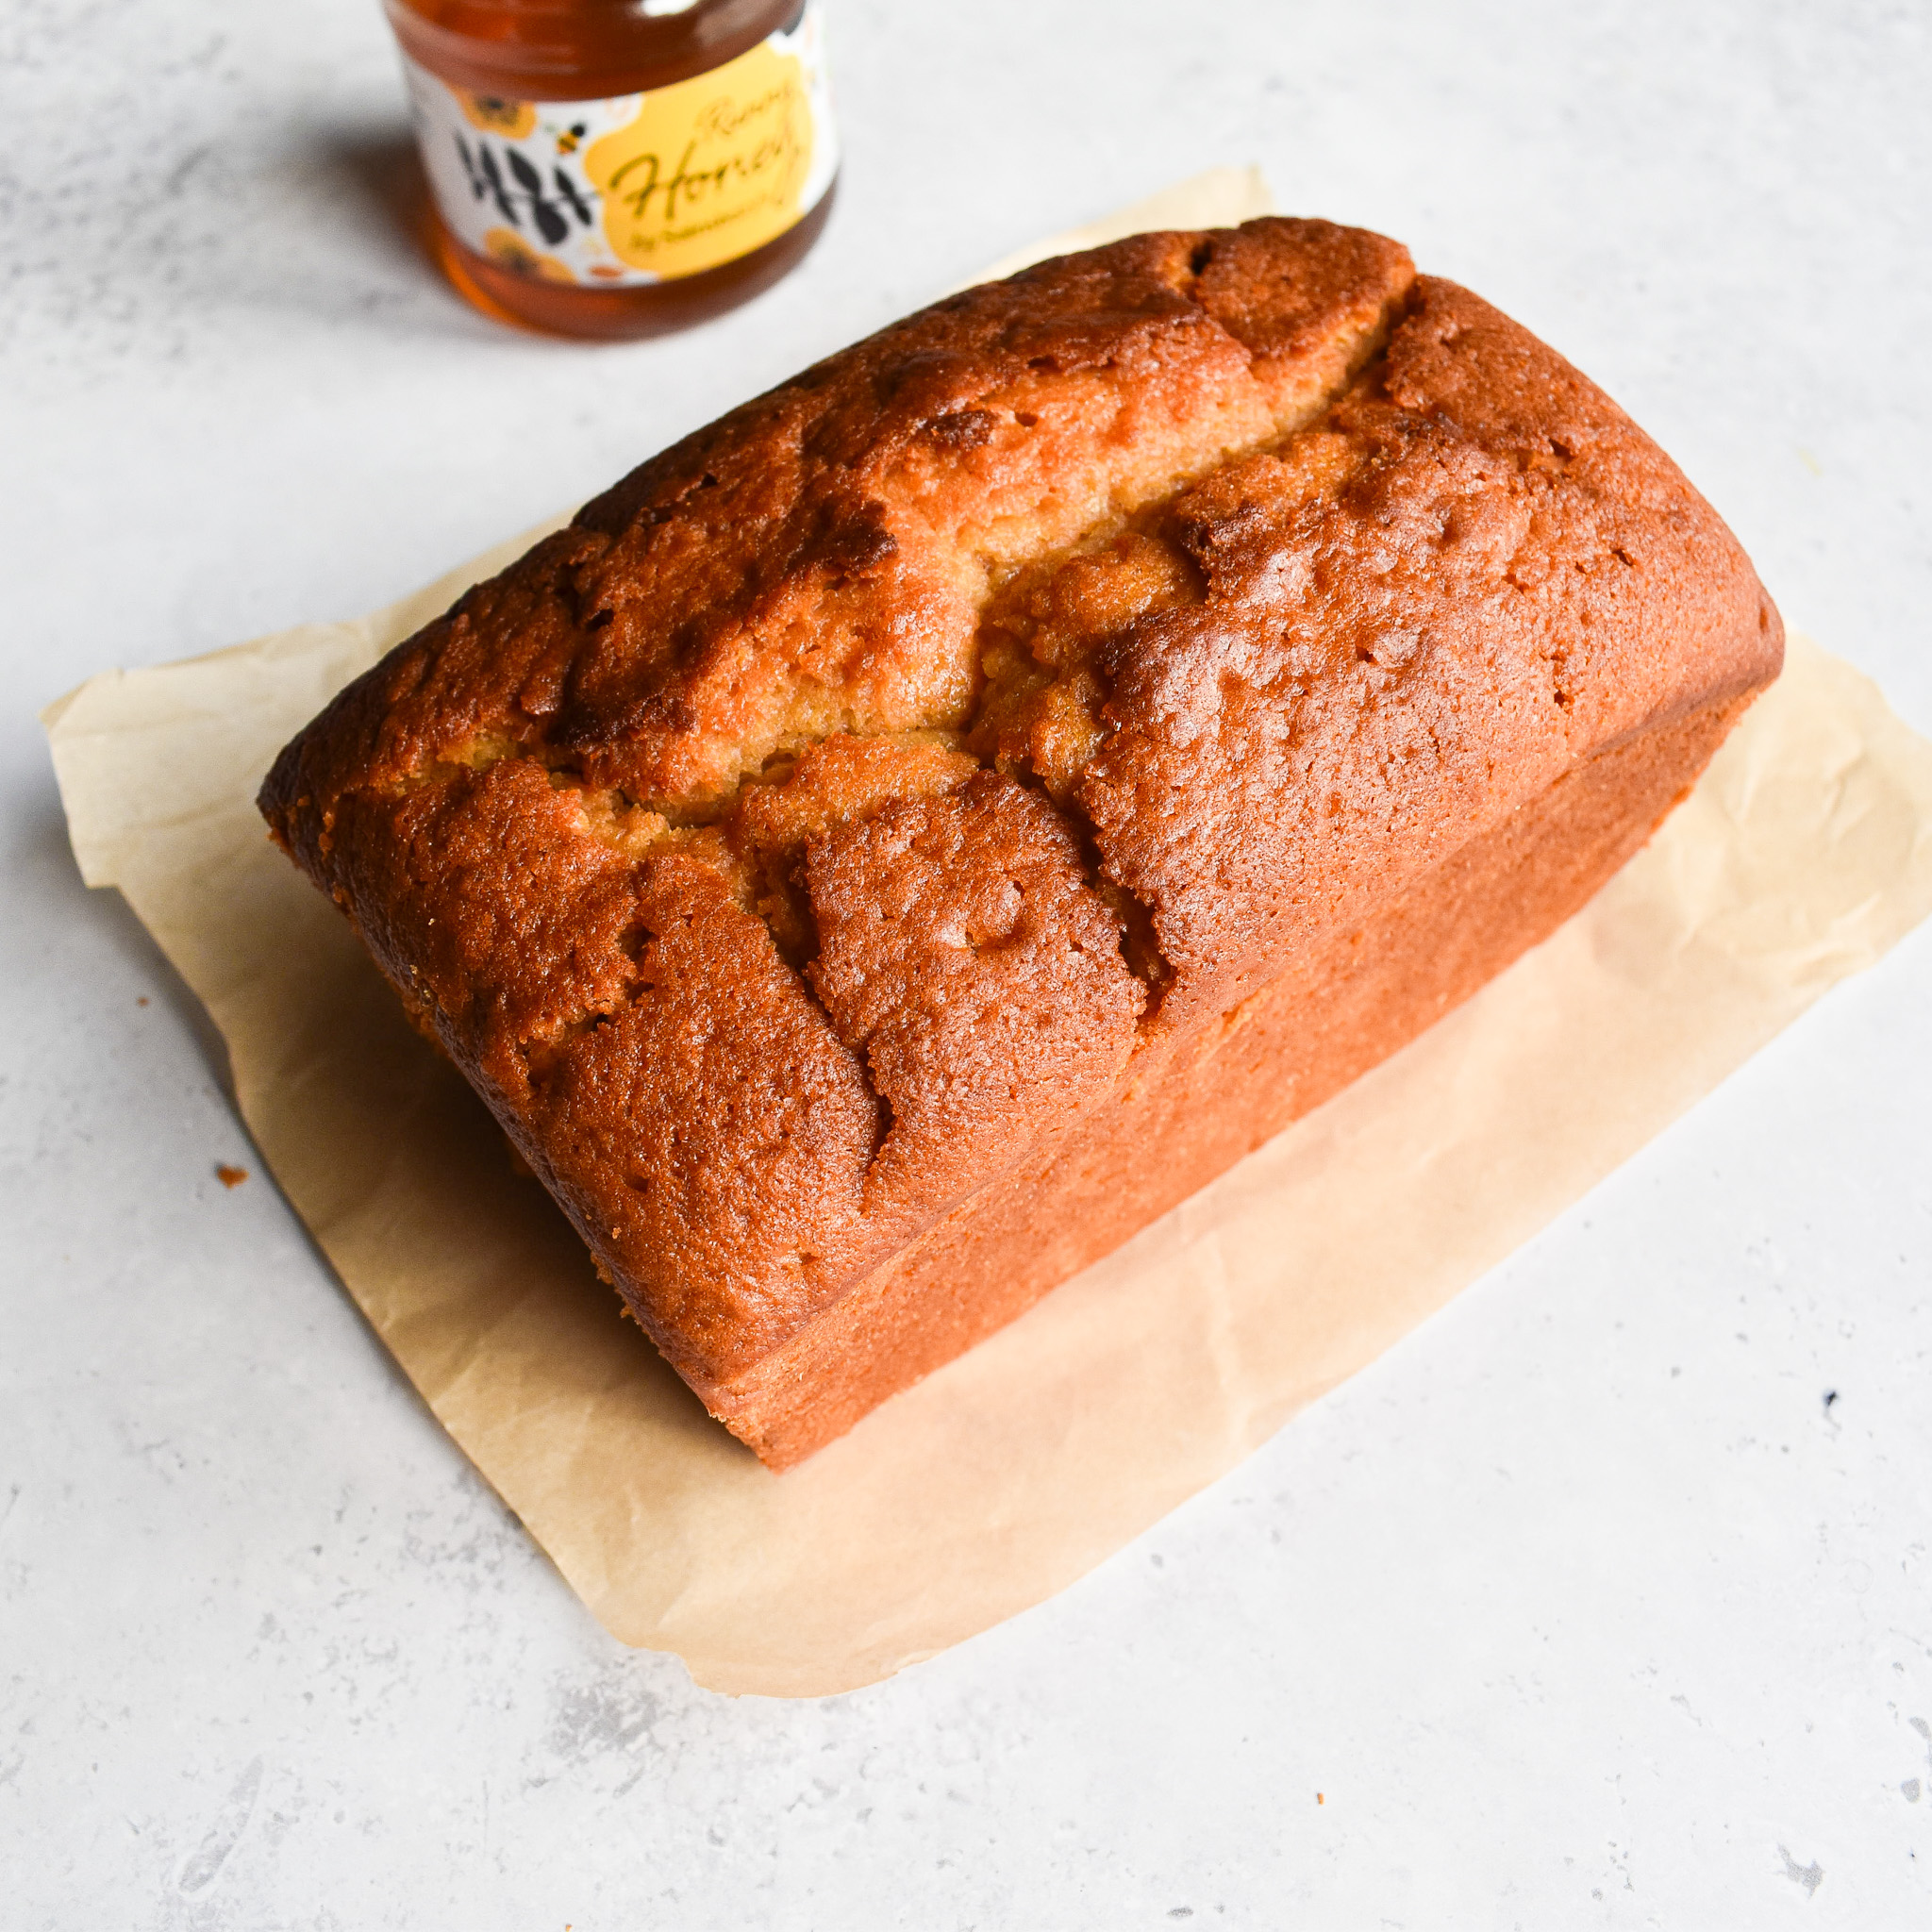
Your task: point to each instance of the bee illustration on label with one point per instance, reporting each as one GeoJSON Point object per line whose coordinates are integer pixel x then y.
{"type": "Point", "coordinates": [567, 142]}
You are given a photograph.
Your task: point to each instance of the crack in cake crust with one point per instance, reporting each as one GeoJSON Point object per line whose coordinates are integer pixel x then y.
{"type": "Point", "coordinates": [846, 548]}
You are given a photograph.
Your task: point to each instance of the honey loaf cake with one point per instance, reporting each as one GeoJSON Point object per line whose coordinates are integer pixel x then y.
{"type": "Point", "coordinates": [913, 832]}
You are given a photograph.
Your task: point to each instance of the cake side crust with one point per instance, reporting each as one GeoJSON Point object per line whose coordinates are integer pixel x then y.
{"type": "Point", "coordinates": [1203, 1101]}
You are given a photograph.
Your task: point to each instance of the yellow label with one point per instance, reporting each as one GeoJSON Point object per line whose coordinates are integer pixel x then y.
{"type": "Point", "coordinates": [710, 168]}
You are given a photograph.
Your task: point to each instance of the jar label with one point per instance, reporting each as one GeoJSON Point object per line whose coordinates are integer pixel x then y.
{"type": "Point", "coordinates": [639, 188]}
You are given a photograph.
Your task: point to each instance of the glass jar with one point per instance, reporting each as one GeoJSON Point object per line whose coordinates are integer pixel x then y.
{"type": "Point", "coordinates": [615, 168]}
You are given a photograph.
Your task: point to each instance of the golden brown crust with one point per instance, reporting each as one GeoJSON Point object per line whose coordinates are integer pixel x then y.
{"type": "Point", "coordinates": [1198, 1100]}
{"type": "Point", "coordinates": [1476, 573]}
{"type": "Point", "coordinates": [873, 794]}
{"type": "Point", "coordinates": [963, 955]}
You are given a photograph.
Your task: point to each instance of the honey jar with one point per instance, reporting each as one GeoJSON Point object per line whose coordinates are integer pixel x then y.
{"type": "Point", "coordinates": [615, 168]}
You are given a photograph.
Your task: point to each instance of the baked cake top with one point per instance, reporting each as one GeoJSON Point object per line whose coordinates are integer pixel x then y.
{"type": "Point", "coordinates": [834, 809]}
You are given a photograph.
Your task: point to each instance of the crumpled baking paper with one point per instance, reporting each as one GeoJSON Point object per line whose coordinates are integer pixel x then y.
{"type": "Point", "coordinates": [1804, 854]}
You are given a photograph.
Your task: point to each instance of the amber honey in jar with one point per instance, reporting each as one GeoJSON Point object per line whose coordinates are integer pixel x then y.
{"type": "Point", "coordinates": [620, 167]}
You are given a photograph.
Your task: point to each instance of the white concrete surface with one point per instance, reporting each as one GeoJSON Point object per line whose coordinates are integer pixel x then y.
{"type": "Point", "coordinates": [1590, 1606]}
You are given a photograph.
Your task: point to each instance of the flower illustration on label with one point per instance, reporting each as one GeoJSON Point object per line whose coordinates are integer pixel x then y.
{"type": "Point", "coordinates": [509, 250]}
{"type": "Point", "coordinates": [493, 115]}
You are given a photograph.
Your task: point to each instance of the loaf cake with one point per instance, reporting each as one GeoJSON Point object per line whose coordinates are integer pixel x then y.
{"type": "Point", "coordinates": [912, 833]}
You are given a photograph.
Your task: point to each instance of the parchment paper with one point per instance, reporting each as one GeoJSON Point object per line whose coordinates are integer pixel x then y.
{"type": "Point", "coordinates": [1804, 853]}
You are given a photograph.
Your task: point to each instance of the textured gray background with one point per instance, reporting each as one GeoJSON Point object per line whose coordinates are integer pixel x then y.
{"type": "Point", "coordinates": [1581, 1608]}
